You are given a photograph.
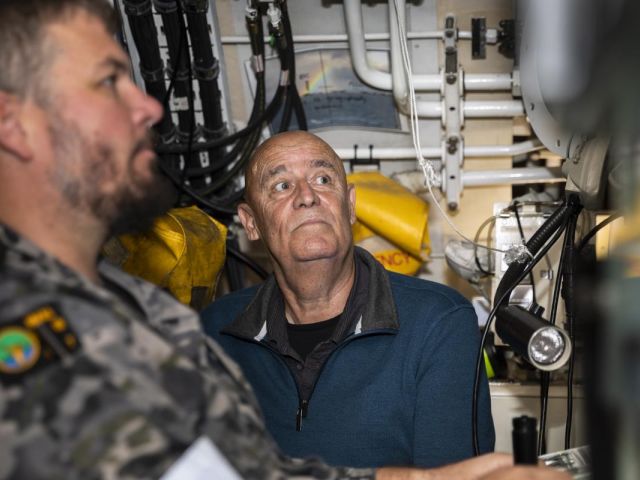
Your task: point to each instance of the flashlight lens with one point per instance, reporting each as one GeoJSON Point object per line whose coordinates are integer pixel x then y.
{"type": "Point", "coordinates": [546, 346]}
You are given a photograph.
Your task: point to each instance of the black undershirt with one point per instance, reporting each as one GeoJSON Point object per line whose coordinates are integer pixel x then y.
{"type": "Point", "coordinates": [304, 338]}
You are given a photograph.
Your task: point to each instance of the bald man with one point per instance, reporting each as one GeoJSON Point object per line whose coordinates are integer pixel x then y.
{"type": "Point", "coordinates": [349, 362]}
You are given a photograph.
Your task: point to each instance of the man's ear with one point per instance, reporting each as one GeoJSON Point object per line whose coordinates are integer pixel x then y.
{"type": "Point", "coordinates": [351, 190]}
{"type": "Point", "coordinates": [13, 138]}
{"type": "Point", "coordinates": [248, 220]}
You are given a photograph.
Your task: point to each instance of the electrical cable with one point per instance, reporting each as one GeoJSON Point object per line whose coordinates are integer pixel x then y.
{"type": "Point", "coordinates": [524, 240]}
{"type": "Point", "coordinates": [538, 244]}
{"type": "Point", "coordinates": [544, 402]}
{"type": "Point", "coordinates": [501, 299]}
{"type": "Point", "coordinates": [261, 272]}
{"type": "Point", "coordinates": [257, 123]}
{"type": "Point", "coordinates": [476, 240]}
{"type": "Point", "coordinates": [568, 292]}
{"type": "Point", "coordinates": [585, 240]}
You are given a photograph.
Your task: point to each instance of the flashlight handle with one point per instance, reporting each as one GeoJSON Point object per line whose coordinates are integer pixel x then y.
{"type": "Point", "coordinates": [525, 440]}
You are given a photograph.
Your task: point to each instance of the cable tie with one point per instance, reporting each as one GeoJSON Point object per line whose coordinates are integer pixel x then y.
{"type": "Point", "coordinates": [517, 254]}
{"type": "Point", "coordinates": [257, 63]}
{"type": "Point", "coordinates": [207, 73]}
{"type": "Point", "coordinates": [156, 75]}
{"type": "Point", "coordinates": [165, 6]}
{"type": "Point", "coordinates": [284, 78]}
{"type": "Point", "coordinates": [137, 9]}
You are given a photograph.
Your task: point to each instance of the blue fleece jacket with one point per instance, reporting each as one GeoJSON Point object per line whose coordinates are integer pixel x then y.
{"type": "Point", "coordinates": [396, 391]}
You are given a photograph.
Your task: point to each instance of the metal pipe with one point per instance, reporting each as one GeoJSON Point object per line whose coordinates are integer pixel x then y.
{"type": "Point", "coordinates": [341, 37]}
{"type": "Point", "coordinates": [487, 81]}
{"type": "Point", "coordinates": [513, 176]}
{"type": "Point", "coordinates": [407, 153]}
{"type": "Point", "coordinates": [398, 76]}
{"type": "Point", "coordinates": [492, 109]}
{"type": "Point", "coordinates": [414, 180]}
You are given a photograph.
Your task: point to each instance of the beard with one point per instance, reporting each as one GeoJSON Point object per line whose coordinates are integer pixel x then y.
{"type": "Point", "coordinates": [84, 167]}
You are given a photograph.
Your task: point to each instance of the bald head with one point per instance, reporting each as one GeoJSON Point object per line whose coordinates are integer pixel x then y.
{"type": "Point", "coordinates": [287, 146]}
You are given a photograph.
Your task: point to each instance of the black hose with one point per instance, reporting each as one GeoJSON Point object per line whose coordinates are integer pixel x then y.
{"type": "Point", "coordinates": [257, 123]}
{"type": "Point", "coordinates": [568, 293]}
{"type": "Point", "coordinates": [524, 240]}
{"type": "Point", "coordinates": [585, 240]}
{"type": "Point", "coordinates": [537, 240]}
{"type": "Point", "coordinates": [238, 255]}
{"type": "Point", "coordinates": [145, 38]}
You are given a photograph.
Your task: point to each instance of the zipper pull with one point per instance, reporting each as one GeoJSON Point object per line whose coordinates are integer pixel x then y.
{"type": "Point", "coordinates": [301, 413]}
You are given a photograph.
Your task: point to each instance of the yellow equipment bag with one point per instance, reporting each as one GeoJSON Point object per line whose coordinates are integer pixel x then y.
{"type": "Point", "coordinates": [183, 253]}
{"type": "Point", "coordinates": [389, 210]}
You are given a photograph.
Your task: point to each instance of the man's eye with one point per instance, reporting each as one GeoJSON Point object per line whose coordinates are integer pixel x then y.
{"type": "Point", "coordinates": [281, 186]}
{"type": "Point", "coordinates": [110, 81]}
{"type": "Point", "coordinates": [323, 180]}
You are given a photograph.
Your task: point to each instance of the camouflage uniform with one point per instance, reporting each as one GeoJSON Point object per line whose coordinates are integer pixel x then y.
{"type": "Point", "coordinates": [116, 381]}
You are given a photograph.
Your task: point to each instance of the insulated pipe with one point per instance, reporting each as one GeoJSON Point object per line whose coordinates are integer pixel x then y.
{"type": "Point", "coordinates": [474, 109]}
{"type": "Point", "coordinates": [341, 37]}
{"type": "Point", "coordinates": [371, 76]}
{"type": "Point", "coordinates": [407, 153]}
{"type": "Point", "coordinates": [512, 176]}
{"type": "Point", "coordinates": [382, 80]}
{"type": "Point", "coordinates": [399, 83]}
{"type": "Point", "coordinates": [495, 109]}
{"type": "Point", "coordinates": [414, 180]}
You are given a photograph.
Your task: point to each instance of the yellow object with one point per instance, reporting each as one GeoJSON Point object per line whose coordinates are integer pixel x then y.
{"type": "Point", "coordinates": [608, 237]}
{"type": "Point", "coordinates": [487, 364]}
{"type": "Point", "coordinates": [387, 211]}
{"type": "Point", "coordinates": [390, 256]}
{"type": "Point", "coordinates": [183, 253]}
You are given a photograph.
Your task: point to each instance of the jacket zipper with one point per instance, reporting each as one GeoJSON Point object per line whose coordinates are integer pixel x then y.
{"type": "Point", "coordinates": [303, 404]}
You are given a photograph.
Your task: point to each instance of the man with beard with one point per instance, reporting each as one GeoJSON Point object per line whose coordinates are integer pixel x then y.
{"type": "Point", "coordinates": [103, 375]}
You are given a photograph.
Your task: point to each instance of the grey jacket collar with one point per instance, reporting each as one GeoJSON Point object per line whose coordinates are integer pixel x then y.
{"type": "Point", "coordinates": [379, 313]}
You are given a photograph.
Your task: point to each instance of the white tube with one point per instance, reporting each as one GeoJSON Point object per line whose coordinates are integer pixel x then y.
{"type": "Point", "coordinates": [369, 75]}
{"type": "Point", "coordinates": [414, 180]}
{"type": "Point", "coordinates": [355, 30]}
{"type": "Point", "coordinates": [407, 153]}
{"type": "Point", "coordinates": [339, 37]}
{"type": "Point", "coordinates": [475, 109]}
{"type": "Point", "coordinates": [492, 109]}
{"type": "Point", "coordinates": [398, 75]}
{"type": "Point", "coordinates": [514, 176]}
{"type": "Point", "coordinates": [503, 150]}
{"type": "Point", "coordinates": [487, 82]}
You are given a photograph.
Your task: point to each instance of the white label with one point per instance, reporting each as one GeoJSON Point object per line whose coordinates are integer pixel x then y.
{"type": "Point", "coordinates": [200, 462]}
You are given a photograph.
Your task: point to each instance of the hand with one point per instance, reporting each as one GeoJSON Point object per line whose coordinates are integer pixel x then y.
{"type": "Point", "coordinates": [526, 473]}
{"type": "Point", "coordinates": [472, 469]}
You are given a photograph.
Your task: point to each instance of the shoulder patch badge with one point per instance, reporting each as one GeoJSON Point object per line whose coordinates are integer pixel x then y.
{"type": "Point", "coordinates": [41, 337]}
{"type": "Point", "coordinates": [19, 350]}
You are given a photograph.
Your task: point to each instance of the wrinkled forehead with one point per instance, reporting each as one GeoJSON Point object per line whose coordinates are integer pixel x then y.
{"type": "Point", "coordinates": [285, 153]}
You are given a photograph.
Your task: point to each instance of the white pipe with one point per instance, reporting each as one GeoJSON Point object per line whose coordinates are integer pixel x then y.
{"type": "Point", "coordinates": [474, 109]}
{"type": "Point", "coordinates": [487, 81]}
{"type": "Point", "coordinates": [414, 180]}
{"type": "Point", "coordinates": [355, 30]}
{"type": "Point", "coordinates": [495, 109]}
{"type": "Point", "coordinates": [369, 75]}
{"type": "Point", "coordinates": [407, 153]}
{"type": "Point", "coordinates": [398, 76]}
{"type": "Point", "coordinates": [342, 37]}
{"type": "Point", "coordinates": [503, 150]}
{"type": "Point", "coordinates": [514, 176]}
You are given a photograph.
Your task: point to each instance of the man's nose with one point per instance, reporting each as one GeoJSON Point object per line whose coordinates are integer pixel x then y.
{"type": "Point", "coordinates": [305, 195]}
{"type": "Point", "coordinates": [146, 109]}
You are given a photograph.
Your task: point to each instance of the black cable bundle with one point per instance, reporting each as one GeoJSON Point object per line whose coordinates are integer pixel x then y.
{"type": "Point", "coordinates": [145, 37]}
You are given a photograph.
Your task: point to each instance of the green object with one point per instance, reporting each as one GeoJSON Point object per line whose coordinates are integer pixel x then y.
{"type": "Point", "coordinates": [488, 366]}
